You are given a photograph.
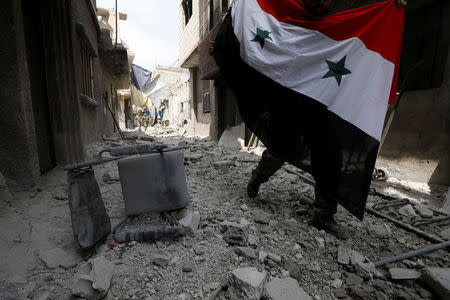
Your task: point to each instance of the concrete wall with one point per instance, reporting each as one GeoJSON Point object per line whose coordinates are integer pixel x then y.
{"type": "Point", "coordinates": [18, 149]}
{"type": "Point", "coordinates": [92, 119]}
{"type": "Point", "coordinates": [189, 33]}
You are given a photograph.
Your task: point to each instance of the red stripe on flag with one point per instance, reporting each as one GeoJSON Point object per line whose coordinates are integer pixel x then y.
{"type": "Point", "coordinates": [379, 26]}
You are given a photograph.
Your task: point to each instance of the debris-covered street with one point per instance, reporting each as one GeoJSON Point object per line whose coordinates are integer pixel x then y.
{"type": "Point", "coordinates": [235, 246]}
{"type": "Point", "coordinates": [224, 150]}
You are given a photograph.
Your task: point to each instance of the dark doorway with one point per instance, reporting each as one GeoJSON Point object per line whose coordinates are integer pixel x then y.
{"type": "Point", "coordinates": [38, 83]}
{"type": "Point", "coordinates": [127, 111]}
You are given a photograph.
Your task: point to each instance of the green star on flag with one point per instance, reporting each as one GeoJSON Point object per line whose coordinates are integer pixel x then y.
{"type": "Point", "coordinates": [337, 70]}
{"type": "Point", "coordinates": [261, 36]}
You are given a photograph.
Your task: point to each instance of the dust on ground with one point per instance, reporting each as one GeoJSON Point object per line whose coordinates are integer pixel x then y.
{"type": "Point", "coordinates": [276, 235]}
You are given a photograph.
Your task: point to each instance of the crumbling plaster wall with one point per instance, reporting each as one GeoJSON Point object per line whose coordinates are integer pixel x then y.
{"type": "Point", "coordinates": [18, 150]}
{"type": "Point", "coordinates": [189, 33]}
{"type": "Point", "coordinates": [92, 119]}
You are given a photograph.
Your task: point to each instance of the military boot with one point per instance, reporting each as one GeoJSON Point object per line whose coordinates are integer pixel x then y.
{"type": "Point", "coordinates": [253, 186]}
{"type": "Point", "coordinates": [329, 225]}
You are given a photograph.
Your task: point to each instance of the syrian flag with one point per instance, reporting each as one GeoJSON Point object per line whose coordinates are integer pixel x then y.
{"type": "Point", "coordinates": [315, 89]}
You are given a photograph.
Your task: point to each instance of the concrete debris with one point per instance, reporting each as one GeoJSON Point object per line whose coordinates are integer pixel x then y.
{"type": "Point", "coordinates": [336, 283]}
{"type": "Point", "coordinates": [198, 250]}
{"type": "Point", "coordinates": [93, 278]}
{"type": "Point", "coordinates": [438, 279]}
{"type": "Point", "coordinates": [227, 231]}
{"type": "Point", "coordinates": [408, 211]}
{"type": "Point", "coordinates": [353, 279]}
{"type": "Point", "coordinates": [261, 217]}
{"type": "Point", "coordinates": [193, 158]}
{"type": "Point", "coordinates": [245, 252]}
{"type": "Point", "coordinates": [160, 260]}
{"type": "Point", "coordinates": [223, 166]}
{"type": "Point", "coordinates": [362, 265]}
{"type": "Point", "coordinates": [379, 230]}
{"type": "Point", "coordinates": [285, 289]}
{"type": "Point", "coordinates": [404, 274]}
{"type": "Point", "coordinates": [188, 267]}
{"type": "Point", "coordinates": [445, 234]}
{"type": "Point", "coordinates": [321, 241]}
{"type": "Point", "coordinates": [262, 256]}
{"type": "Point", "coordinates": [252, 240]}
{"type": "Point", "coordinates": [234, 233]}
{"type": "Point", "coordinates": [107, 178]}
{"type": "Point", "coordinates": [343, 255]}
{"type": "Point", "coordinates": [247, 283]}
{"type": "Point", "coordinates": [190, 222]}
{"type": "Point", "coordinates": [424, 211]}
{"type": "Point", "coordinates": [274, 257]}
{"type": "Point", "coordinates": [292, 225]}
{"type": "Point", "coordinates": [57, 257]}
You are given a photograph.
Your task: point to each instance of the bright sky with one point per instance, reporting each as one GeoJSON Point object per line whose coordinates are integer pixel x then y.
{"type": "Point", "coordinates": [150, 31]}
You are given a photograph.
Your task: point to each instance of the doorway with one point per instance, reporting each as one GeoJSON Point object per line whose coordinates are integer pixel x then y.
{"type": "Point", "coordinates": [38, 84]}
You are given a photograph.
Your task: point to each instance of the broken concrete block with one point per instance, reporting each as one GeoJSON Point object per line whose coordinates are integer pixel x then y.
{"type": "Point", "coordinates": [404, 274]}
{"type": "Point", "coordinates": [262, 256]}
{"type": "Point", "coordinates": [247, 283]}
{"type": "Point", "coordinates": [223, 166]}
{"type": "Point", "coordinates": [190, 222]}
{"type": "Point", "coordinates": [233, 233]}
{"type": "Point", "coordinates": [56, 257]}
{"type": "Point", "coordinates": [438, 279]}
{"type": "Point", "coordinates": [445, 234]}
{"type": "Point", "coordinates": [353, 279]}
{"type": "Point", "coordinates": [261, 217]}
{"type": "Point", "coordinates": [160, 260]}
{"type": "Point", "coordinates": [424, 211]}
{"type": "Point", "coordinates": [408, 211]}
{"type": "Point", "coordinates": [93, 279]}
{"type": "Point", "coordinates": [343, 255]}
{"type": "Point", "coordinates": [101, 274]}
{"type": "Point", "coordinates": [336, 283]}
{"type": "Point", "coordinates": [285, 289]}
{"type": "Point", "coordinates": [379, 230]}
{"type": "Point", "coordinates": [245, 252]}
{"type": "Point", "coordinates": [274, 257]}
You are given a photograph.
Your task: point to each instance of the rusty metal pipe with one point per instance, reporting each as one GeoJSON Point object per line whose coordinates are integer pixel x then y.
{"type": "Point", "coordinates": [412, 254]}
{"type": "Point", "coordinates": [425, 235]}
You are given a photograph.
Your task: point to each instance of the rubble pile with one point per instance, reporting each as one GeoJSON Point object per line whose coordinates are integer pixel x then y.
{"type": "Point", "coordinates": [234, 248]}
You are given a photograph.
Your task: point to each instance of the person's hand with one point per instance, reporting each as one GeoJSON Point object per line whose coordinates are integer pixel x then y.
{"type": "Point", "coordinates": [211, 48]}
{"type": "Point", "coordinates": [401, 3]}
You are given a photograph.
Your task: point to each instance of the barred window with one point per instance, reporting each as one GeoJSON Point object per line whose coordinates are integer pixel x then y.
{"type": "Point", "coordinates": [187, 8]}
{"type": "Point", "coordinates": [206, 103]}
{"type": "Point", "coordinates": [87, 70]}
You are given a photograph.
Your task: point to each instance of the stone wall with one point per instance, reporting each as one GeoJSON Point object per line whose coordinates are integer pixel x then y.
{"type": "Point", "coordinates": [18, 149]}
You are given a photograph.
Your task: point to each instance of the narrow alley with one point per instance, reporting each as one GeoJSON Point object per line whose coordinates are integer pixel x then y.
{"type": "Point", "coordinates": [222, 150]}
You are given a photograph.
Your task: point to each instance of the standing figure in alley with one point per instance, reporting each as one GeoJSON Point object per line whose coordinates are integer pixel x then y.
{"type": "Point", "coordinates": [289, 83]}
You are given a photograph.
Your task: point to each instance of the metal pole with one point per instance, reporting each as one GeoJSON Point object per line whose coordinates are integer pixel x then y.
{"type": "Point", "coordinates": [117, 29]}
{"type": "Point", "coordinates": [425, 235]}
{"type": "Point", "coordinates": [412, 254]}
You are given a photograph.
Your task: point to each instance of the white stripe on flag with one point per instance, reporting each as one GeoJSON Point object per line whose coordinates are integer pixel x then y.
{"type": "Point", "coordinates": [295, 58]}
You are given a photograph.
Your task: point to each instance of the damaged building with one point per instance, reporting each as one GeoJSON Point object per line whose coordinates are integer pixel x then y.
{"type": "Point", "coordinates": [61, 72]}
{"type": "Point", "coordinates": [420, 128]}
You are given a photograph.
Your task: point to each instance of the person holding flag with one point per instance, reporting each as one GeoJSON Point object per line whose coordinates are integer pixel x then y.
{"type": "Point", "coordinates": [314, 88]}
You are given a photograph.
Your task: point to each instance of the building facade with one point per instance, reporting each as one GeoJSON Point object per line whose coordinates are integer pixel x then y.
{"type": "Point", "coordinates": [212, 104]}
{"type": "Point", "coordinates": [54, 92]}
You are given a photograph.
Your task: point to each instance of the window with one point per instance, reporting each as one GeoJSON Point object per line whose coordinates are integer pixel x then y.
{"type": "Point", "coordinates": [187, 8]}
{"type": "Point", "coordinates": [206, 103]}
{"type": "Point", "coordinates": [87, 70]}
{"type": "Point", "coordinates": [211, 14]}
{"type": "Point", "coordinates": [224, 6]}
